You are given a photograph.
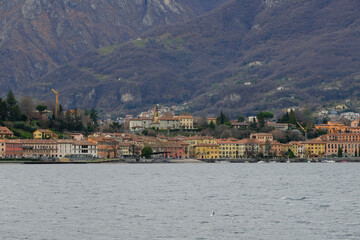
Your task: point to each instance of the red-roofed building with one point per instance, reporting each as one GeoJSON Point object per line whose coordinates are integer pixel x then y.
{"type": "Point", "coordinates": [5, 132]}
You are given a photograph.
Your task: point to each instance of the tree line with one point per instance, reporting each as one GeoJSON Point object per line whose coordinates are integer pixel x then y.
{"type": "Point", "coordinates": [33, 113]}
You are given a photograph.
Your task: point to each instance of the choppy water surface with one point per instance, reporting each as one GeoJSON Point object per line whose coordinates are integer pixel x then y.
{"type": "Point", "coordinates": [174, 201]}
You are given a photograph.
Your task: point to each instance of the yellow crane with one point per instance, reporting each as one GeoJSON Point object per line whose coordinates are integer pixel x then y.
{"type": "Point", "coordinates": [305, 131]}
{"type": "Point", "coordinates": [57, 103]}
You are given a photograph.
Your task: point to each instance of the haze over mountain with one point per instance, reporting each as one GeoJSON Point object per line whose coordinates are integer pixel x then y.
{"type": "Point", "coordinates": [242, 57]}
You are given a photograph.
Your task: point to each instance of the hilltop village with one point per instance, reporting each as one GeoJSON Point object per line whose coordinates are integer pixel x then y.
{"type": "Point", "coordinates": [134, 141]}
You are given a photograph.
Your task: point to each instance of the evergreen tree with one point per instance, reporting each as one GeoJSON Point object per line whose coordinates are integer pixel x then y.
{"type": "Point", "coordinates": [14, 113]}
{"type": "Point", "coordinates": [212, 125]}
{"type": "Point", "coordinates": [291, 154]}
{"type": "Point", "coordinates": [222, 119]}
{"type": "Point", "coordinates": [94, 116]}
{"type": "Point", "coordinates": [77, 120]}
{"type": "Point", "coordinates": [241, 119]}
{"type": "Point", "coordinates": [60, 109]}
{"type": "Point", "coordinates": [340, 152]}
{"type": "Point", "coordinates": [292, 117]}
{"type": "Point", "coordinates": [69, 123]}
{"type": "Point", "coordinates": [11, 100]}
{"type": "Point", "coordinates": [285, 118]}
{"type": "Point", "coordinates": [262, 117]}
{"type": "Point", "coordinates": [146, 152]}
{"type": "Point", "coordinates": [3, 110]}
{"type": "Point", "coordinates": [41, 108]}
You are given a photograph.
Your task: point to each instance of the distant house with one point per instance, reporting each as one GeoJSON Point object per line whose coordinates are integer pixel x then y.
{"type": "Point", "coordinates": [240, 125]}
{"type": "Point", "coordinates": [44, 134]}
{"type": "Point", "coordinates": [252, 119]}
{"type": "Point", "coordinates": [280, 126]}
{"type": "Point", "coordinates": [262, 136]}
{"type": "Point", "coordinates": [186, 122]}
{"type": "Point", "coordinates": [5, 132]}
{"type": "Point", "coordinates": [77, 136]}
{"type": "Point", "coordinates": [213, 120]}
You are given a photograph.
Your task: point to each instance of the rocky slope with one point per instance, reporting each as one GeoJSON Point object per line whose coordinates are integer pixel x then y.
{"type": "Point", "coordinates": [37, 36]}
{"type": "Point", "coordinates": [243, 57]}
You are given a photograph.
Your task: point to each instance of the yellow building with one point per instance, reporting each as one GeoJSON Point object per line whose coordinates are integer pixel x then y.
{"type": "Point", "coordinates": [314, 148]}
{"type": "Point", "coordinates": [186, 122]}
{"type": "Point", "coordinates": [193, 141]}
{"type": "Point", "coordinates": [229, 148]}
{"type": "Point", "coordinates": [126, 149]}
{"type": "Point", "coordinates": [44, 134]}
{"type": "Point", "coordinates": [298, 148]}
{"type": "Point", "coordinates": [207, 151]}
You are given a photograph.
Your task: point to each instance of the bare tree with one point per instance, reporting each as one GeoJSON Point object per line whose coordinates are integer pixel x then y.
{"type": "Point", "coordinates": [27, 106]}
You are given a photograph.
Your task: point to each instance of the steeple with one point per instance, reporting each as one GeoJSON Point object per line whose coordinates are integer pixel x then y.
{"type": "Point", "coordinates": [156, 114]}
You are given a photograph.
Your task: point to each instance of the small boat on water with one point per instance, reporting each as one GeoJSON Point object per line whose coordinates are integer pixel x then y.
{"type": "Point", "coordinates": [328, 161]}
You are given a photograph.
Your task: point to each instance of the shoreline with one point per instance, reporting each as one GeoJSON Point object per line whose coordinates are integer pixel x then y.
{"type": "Point", "coordinates": [183, 161]}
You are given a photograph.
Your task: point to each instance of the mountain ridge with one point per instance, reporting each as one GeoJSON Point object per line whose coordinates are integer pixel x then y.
{"type": "Point", "coordinates": [37, 36]}
{"type": "Point", "coordinates": [242, 57]}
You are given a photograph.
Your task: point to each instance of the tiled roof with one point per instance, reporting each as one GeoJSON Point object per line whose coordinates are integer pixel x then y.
{"type": "Point", "coordinates": [5, 130]}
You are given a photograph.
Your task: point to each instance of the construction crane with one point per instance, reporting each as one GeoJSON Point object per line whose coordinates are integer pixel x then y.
{"type": "Point", "coordinates": [305, 131]}
{"type": "Point", "coordinates": [57, 103]}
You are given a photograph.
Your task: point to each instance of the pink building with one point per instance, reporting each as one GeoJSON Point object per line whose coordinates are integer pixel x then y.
{"type": "Point", "coordinates": [13, 148]}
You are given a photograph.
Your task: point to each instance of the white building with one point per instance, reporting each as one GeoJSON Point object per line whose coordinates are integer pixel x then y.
{"type": "Point", "coordinates": [85, 148]}
{"type": "Point", "coordinates": [64, 147]}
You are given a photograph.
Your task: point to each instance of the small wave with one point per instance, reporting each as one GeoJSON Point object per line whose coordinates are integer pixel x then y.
{"type": "Point", "coordinates": [294, 199]}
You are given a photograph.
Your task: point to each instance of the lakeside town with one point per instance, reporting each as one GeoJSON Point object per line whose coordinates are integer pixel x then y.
{"type": "Point", "coordinates": [159, 134]}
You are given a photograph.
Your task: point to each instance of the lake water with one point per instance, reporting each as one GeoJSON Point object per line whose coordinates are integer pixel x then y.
{"type": "Point", "coordinates": [174, 201]}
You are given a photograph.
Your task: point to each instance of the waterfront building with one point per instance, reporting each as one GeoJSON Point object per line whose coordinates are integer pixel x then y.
{"type": "Point", "coordinates": [166, 149]}
{"type": "Point", "coordinates": [250, 147]}
{"type": "Point", "coordinates": [195, 140]}
{"type": "Point", "coordinates": [39, 148]}
{"type": "Point", "coordinates": [108, 147]}
{"type": "Point", "coordinates": [2, 148]}
{"type": "Point", "coordinates": [348, 142]}
{"type": "Point", "coordinates": [298, 148]}
{"type": "Point", "coordinates": [315, 147]}
{"type": "Point", "coordinates": [85, 148]}
{"type": "Point", "coordinates": [229, 148]}
{"type": "Point", "coordinates": [126, 149]}
{"type": "Point", "coordinates": [13, 148]}
{"type": "Point", "coordinates": [206, 151]}
{"type": "Point", "coordinates": [64, 147]}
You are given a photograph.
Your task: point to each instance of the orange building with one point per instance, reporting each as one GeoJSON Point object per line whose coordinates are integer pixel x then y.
{"type": "Point", "coordinates": [333, 127]}
{"type": "Point", "coordinates": [108, 147]}
{"type": "Point", "coordinates": [348, 142]}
